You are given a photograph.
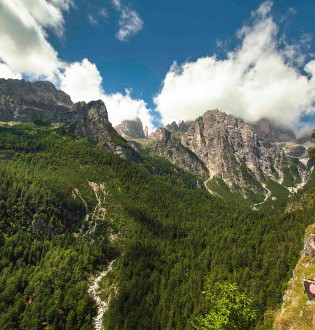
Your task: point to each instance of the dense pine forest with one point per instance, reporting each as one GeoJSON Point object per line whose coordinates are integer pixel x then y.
{"type": "Point", "coordinates": [68, 208]}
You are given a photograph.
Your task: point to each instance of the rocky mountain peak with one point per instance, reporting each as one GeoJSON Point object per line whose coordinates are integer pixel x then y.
{"type": "Point", "coordinates": [90, 120]}
{"type": "Point", "coordinates": [220, 117]}
{"type": "Point", "coordinates": [234, 151]}
{"type": "Point", "coordinates": [182, 127]}
{"type": "Point", "coordinates": [40, 92]}
{"type": "Point", "coordinates": [95, 110]}
{"type": "Point", "coordinates": [162, 134]}
{"type": "Point", "coordinates": [25, 101]}
{"type": "Point", "coordinates": [163, 143]}
{"type": "Point", "coordinates": [131, 129]}
{"type": "Point", "coordinates": [272, 132]}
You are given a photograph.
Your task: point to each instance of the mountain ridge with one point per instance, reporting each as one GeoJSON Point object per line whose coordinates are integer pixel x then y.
{"type": "Point", "coordinates": [219, 146]}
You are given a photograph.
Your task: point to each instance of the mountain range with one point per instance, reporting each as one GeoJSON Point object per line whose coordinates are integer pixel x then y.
{"type": "Point", "coordinates": [247, 159]}
{"type": "Point", "coordinates": [112, 228]}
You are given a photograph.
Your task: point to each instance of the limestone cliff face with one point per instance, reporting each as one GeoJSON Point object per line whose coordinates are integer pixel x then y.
{"type": "Point", "coordinates": [182, 127]}
{"type": "Point", "coordinates": [131, 129]}
{"type": "Point", "coordinates": [90, 120]}
{"type": "Point", "coordinates": [297, 312]}
{"type": "Point", "coordinates": [24, 101]}
{"type": "Point", "coordinates": [271, 132]}
{"type": "Point", "coordinates": [165, 144]}
{"type": "Point", "coordinates": [232, 151]}
{"type": "Point", "coordinates": [238, 152]}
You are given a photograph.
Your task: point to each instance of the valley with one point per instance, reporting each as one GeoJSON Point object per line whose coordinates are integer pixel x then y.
{"type": "Point", "coordinates": [104, 230]}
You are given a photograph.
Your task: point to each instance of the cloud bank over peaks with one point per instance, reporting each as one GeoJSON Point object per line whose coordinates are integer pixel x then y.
{"type": "Point", "coordinates": [25, 52]}
{"type": "Point", "coordinates": [83, 82]}
{"type": "Point", "coordinates": [259, 78]}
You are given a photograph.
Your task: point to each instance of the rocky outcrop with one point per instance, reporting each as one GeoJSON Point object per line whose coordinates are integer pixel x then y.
{"type": "Point", "coordinates": [146, 132]}
{"type": "Point", "coordinates": [24, 101]}
{"type": "Point", "coordinates": [297, 312]}
{"type": "Point", "coordinates": [182, 127]}
{"type": "Point", "coordinates": [239, 153]}
{"type": "Point", "coordinates": [232, 150]}
{"type": "Point", "coordinates": [90, 120]}
{"type": "Point", "coordinates": [295, 150]}
{"type": "Point", "coordinates": [131, 129]}
{"type": "Point", "coordinates": [309, 245]}
{"type": "Point", "coordinates": [165, 144]}
{"type": "Point", "coordinates": [271, 132]}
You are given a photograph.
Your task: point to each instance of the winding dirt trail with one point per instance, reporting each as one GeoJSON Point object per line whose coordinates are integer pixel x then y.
{"type": "Point", "coordinates": [210, 191]}
{"type": "Point", "coordinates": [267, 195]}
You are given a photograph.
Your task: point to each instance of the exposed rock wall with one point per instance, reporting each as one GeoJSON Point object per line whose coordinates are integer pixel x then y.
{"type": "Point", "coordinates": [131, 129]}
{"type": "Point", "coordinates": [24, 101]}
{"type": "Point", "coordinates": [90, 120]}
{"type": "Point", "coordinates": [297, 312]}
{"type": "Point", "coordinates": [231, 149]}
{"type": "Point", "coordinates": [271, 132]}
{"type": "Point", "coordinates": [167, 145]}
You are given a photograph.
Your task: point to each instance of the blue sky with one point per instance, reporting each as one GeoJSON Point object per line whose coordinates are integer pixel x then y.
{"type": "Point", "coordinates": [172, 31]}
{"type": "Point", "coordinates": [65, 32]}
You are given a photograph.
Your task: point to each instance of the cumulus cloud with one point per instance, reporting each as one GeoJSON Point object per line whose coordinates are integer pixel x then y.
{"type": "Point", "coordinates": [23, 46]}
{"type": "Point", "coordinates": [130, 22]}
{"type": "Point", "coordinates": [48, 14]}
{"type": "Point", "coordinates": [6, 72]}
{"type": "Point", "coordinates": [259, 78]}
{"type": "Point", "coordinates": [25, 52]}
{"type": "Point", "coordinates": [83, 82]}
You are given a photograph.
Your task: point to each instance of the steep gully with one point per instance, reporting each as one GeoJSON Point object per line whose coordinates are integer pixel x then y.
{"type": "Point", "coordinates": [94, 290]}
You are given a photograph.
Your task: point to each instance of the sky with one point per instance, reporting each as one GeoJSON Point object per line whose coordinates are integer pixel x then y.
{"type": "Point", "coordinates": [172, 60]}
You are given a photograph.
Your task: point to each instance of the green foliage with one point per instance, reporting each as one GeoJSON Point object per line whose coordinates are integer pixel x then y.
{"type": "Point", "coordinates": [291, 173]}
{"type": "Point", "coordinates": [229, 309]}
{"type": "Point", "coordinates": [172, 234]}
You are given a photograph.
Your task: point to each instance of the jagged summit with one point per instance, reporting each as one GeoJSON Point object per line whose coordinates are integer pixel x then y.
{"type": "Point", "coordinates": [272, 132]}
{"type": "Point", "coordinates": [216, 145]}
{"type": "Point", "coordinates": [131, 129]}
{"type": "Point", "coordinates": [241, 154]}
{"type": "Point", "coordinates": [23, 101]}
{"type": "Point", "coordinates": [43, 92]}
{"type": "Point", "coordinates": [182, 127]}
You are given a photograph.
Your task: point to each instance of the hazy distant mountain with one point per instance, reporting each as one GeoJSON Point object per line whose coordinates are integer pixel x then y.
{"type": "Point", "coordinates": [131, 129]}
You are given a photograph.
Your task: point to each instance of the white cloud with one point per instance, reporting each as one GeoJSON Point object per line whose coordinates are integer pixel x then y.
{"type": "Point", "coordinates": [257, 79]}
{"type": "Point", "coordinates": [63, 4]}
{"type": "Point", "coordinates": [304, 130]}
{"type": "Point", "coordinates": [264, 9]}
{"type": "Point", "coordinates": [129, 21]}
{"type": "Point", "coordinates": [47, 14]}
{"type": "Point", "coordinates": [6, 72]}
{"type": "Point", "coordinates": [83, 82]}
{"type": "Point", "coordinates": [25, 51]}
{"type": "Point", "coordinates": [103, 12]}
{"type": "Point", "coordinates": [92, 19]}
{"type": "Point", "coordinates": [23, 46]}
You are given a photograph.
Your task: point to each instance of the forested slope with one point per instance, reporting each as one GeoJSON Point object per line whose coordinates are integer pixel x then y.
{"type": "Point", "coordinates": [171, 236]}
